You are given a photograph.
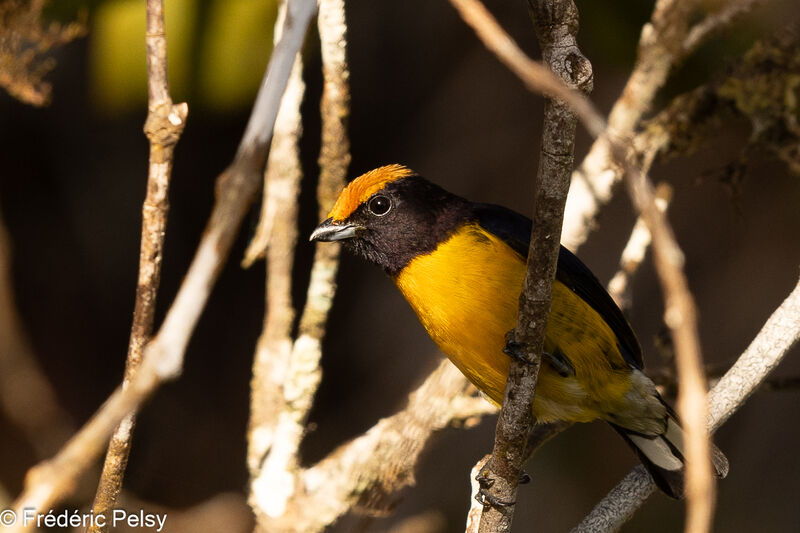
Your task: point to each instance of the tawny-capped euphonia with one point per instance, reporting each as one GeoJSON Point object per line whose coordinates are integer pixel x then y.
{"type": "Point", "coordinates": [461, 266]}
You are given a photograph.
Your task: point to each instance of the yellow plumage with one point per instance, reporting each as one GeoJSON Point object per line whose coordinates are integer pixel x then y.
{"type": "Point", "coordinates": [465, 295]}
{"type": "Point", "coordinates": [461, 266]}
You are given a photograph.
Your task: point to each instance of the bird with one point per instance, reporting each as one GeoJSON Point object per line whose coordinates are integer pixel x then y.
{"type": "Point", "coordinates": [461, 267]}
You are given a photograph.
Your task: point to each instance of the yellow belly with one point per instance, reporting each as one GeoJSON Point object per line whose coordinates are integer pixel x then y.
{"type": "Point", "coordinates": [466, 293]}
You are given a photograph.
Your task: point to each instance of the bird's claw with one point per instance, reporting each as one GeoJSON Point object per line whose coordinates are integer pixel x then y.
{"type": "Point", "coordinates": [485, 482]}
{"type": "Point", "coordinates": [487, 500]}
{"type": "Point", "coordinates": [514, 349]}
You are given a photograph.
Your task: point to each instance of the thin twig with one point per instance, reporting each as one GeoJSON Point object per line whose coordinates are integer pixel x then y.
{"type": "Point", "coordinates": [536, 76]}
{"type": "Point", "coordinates": [680, 316]}
{"type": "Point", "coordinates": [164, 125]}
{"type": "Point", "coordinates": [778, 335]}
{"type": "Point", "coordinates": [634, 252]}
{"type": "Point", "coordinates": [269, 497]}
{"type": "Point", "coordinates": [556, 24]}
{"type": "Point", "coordinates": [665, 41]}
{"type": "Point", "coordinates": [277, 230]}
{"type": "Point", "coordinates": [730, 12]}
{"type": "Point", "coordinates": [368, 471]}
{"type": "Point", "coordinates": [281, 186]}
{"type": "Point", "coordinates": [163, 357]}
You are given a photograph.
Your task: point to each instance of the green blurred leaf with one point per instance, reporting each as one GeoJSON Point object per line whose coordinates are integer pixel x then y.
{"type": "Point", "coordinates": [235, 49]}
{"type": "Point", "coordinates": [117, 52]}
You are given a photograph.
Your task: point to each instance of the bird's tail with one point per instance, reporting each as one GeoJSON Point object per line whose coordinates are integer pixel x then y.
{"type": "Point", "coordinates": [662, 455]}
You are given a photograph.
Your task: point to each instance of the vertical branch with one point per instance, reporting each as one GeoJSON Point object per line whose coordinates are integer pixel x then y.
{"type": "Point", "coordinates": [665, 39]}
{"type": "Point", "coordinates": [556, 23]}
{"type": "Point", "coordinates": [334, 160]}
{"type": "Point", "coordinates": [681, 318]}
{"type": "Point", "coordinates": [269, 497]}
{"type": "Point", "coordinates": [163, 127]}
{"type": "Point", "coordinates": [277, 232]}
{"type": "Point", "coordinates": [271, 453]}
{"type": "Point", "coordinates": [163, 357]}
{"type": "Point", "coordinates": [634, 252]}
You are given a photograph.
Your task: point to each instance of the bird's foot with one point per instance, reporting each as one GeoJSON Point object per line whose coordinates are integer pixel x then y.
{"type": "Point", "coordinates": [485, 482]}
{"type": "Point", "coordinates": [513, 349]}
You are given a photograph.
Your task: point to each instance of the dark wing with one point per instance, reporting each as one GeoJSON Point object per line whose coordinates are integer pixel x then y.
{"type": "Point", "coordinates": [515, 230]}
{"type": "Point", "coordinates": [577, 276]}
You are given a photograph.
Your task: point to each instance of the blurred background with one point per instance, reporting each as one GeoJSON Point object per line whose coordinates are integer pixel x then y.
{"type": "Point", "coordinates": [426, 94]}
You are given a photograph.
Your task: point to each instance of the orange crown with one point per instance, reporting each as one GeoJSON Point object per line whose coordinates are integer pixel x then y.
{"type": "Point", "coordinates": [364, 186]}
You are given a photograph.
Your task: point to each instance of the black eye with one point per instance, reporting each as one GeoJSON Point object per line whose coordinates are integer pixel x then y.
{"type": "Point", "coordinates": [379, 205]}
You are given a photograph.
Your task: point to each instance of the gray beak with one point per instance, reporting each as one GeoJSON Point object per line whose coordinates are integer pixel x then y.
{"type": "Point", "coordinates": [335, 231]}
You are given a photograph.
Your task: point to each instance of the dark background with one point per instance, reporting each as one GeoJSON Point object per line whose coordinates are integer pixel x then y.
{"type": "Point", "coordinates": [426, 94]}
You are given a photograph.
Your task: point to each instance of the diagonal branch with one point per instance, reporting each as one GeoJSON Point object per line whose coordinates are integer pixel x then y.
{"type": "Point", "coordinates": [666, 40]}
{"type": "Point", "coordinates": [367, 472]}
{"type": "Point", "coordinates": [163, 357]}
{"type": "Point", "coordinates": [730, 12]}
{"type": "Point", "coordinates": [634, 252]}
{"type": "Point", "coordinates": [164, 125]}
{"type": "Point", "coordinates": [275, 464]}
{"type": "Point", "coordinates": [778, 335]}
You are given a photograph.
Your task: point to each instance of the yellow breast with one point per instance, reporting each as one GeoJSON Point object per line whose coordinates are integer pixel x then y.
{"type": "Point", "coordinates": [458, 293]}
{"type": "Point", "coordinates": [466, 294]}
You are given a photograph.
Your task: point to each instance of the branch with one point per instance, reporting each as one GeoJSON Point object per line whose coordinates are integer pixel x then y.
{"type": "Point", "coordinates": [634, 252]}
{"type": "Point", "coordinates": [274, 478]}
{"type": "Point", "coordinates": [669, 26]}
{"type": "Point", "coordinates": [731, 11]}
{"type": "Point", "coordinates": [163, 357]}
{"type": "Point", "coordinates": [681, 318]}
{"type": "Point", "coordinates": [754, 88]}
{"type": "Point", "coordinates": [661, 48]}
{"type": "Point", "coordinates": [778, 335]}
{"type": "Point", "coordinates": [556, 25]}
{"type": "Point", "coordinates": [277, 235]}
{"type": "Point", "coordinates": [368, 471]}
{"type": "Point", "coordinates": [537, 77]}
{"type": "Point", "coordinates": [163, 127]}
{"type": "Point", "coordinates": [26, 395]}
{"type": "Point", "coordinates": [25, 41]}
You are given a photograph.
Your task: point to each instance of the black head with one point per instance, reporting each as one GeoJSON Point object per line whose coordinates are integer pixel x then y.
{"type": "Point", "coordinates": [391, 215]}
